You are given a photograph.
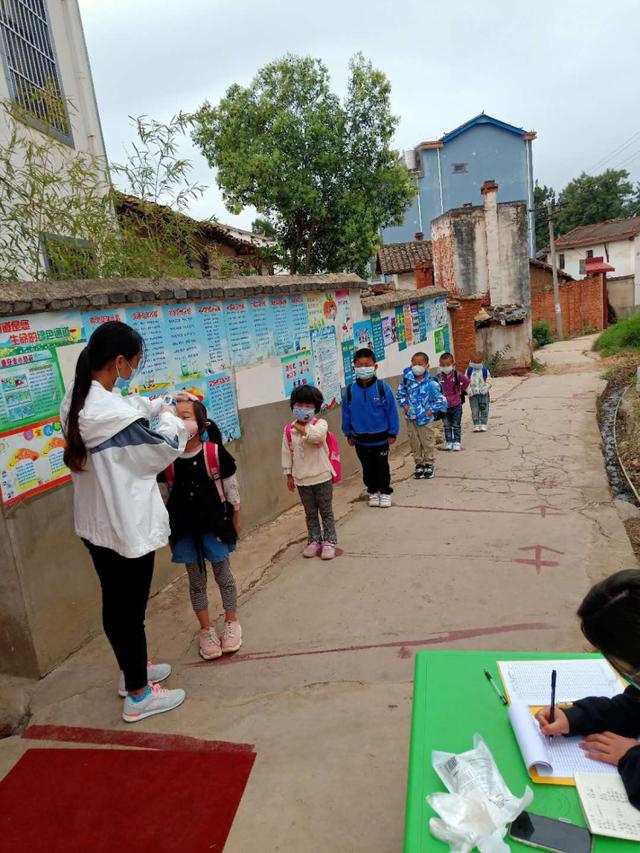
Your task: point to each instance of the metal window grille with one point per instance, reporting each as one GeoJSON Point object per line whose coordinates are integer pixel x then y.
{"type": "Point", "coordinates": [459, 168]}
{"type": "Point", "coordinates": [31, 62]}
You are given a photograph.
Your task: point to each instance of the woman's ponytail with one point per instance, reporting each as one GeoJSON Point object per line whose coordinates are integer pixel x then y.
{"type": "Point", "coordinates": [75, 453]}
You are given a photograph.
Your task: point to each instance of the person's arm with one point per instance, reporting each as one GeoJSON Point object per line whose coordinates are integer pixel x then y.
{"type": "Point", "coordinates": [465, 380]}
{"type": "Point", "coordinates": [393, 421]}
{"type": "Point", "coordinates": [149, 409]}
{"type": "Point", "coordinates": [629, 769]}
{"type": "Point", "coordinates": [402, 396]}
{"type": "Point", "coordinates": [232, 494]}
{"type": "Point", "coordinates": [620, 715]}
{"type": "Point", "coordinates": [147, 452]}
{"type": "Point", "coordinates": [316, 433]}
{"type": "Point", "coordinates": [287, 462]}
{"type": "Point", "coordinates": [347, 427]}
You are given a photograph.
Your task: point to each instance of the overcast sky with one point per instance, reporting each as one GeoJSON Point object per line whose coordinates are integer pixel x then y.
{"type": "Point", "coordinates": [568, 69]}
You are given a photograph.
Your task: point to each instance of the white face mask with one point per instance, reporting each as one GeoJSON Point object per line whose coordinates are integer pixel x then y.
{"type": "Point", "coordinates": [447, 369]}
{"type": "Point", "coordinates": [365, 372]}
{"type": "Point", "coordinates": [476, 365]}
{"type": "Point", "coordinates": [418, 369]}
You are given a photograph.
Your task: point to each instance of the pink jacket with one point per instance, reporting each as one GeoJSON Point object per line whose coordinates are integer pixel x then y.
{"type": "Point", "coordinates": [451, 388]}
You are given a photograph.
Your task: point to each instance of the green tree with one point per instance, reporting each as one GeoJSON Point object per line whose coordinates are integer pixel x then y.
{"type": "Point", "coordinates": [322, 172]}
{"type": "Point", "coordinates": [542, 195]}
{"type": "Point", "coordinates": [589, 199]}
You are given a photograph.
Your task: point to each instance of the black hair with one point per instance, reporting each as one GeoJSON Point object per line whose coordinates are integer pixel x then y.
{"type": "Point", "coordinates": [420, 355]}
{"type": "Point", "coordinates": [107, 342]}
{"type": "Point", "coordinates": [205, 424]}
{"type": "Point", "coordinates": [610, 616]}
{"type": "Point", "coordinates": [364, 352]}
{"type": "Point", "coordinates": [447, 355]}
{"type": "Point", "coordinates": [307, 394]}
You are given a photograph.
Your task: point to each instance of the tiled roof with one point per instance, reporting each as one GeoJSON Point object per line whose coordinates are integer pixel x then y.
{"type": "Point", "coordinates": [542, 265]}
{"type": "Point", "coordinates": [483, 118]}
{"type": "Point", "coordinates": [601, 232]}
{"type": "Point", "coordinates": [403, 257]}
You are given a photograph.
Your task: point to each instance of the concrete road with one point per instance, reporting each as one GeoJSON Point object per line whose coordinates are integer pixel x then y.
{"type": "Point", "coordinates": [496, 552]}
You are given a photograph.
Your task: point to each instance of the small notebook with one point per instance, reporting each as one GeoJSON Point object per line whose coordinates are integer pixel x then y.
{"type": "Point", "coordinates": [551, 761]}
{"type": "Point", "coordinates": [606, 806]}
{"type": "Point", "coordinates": [529, 681]}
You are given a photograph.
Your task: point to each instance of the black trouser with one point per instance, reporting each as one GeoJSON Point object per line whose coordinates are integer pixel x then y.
{"type": "Point", "coordinates": [375, 468]}
{"type": "Point", "coordinates": [125, 590]}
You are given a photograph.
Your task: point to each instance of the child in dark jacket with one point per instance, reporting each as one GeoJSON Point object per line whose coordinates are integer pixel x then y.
{"type": "Point", "coordinates": [420, 398]}
{"type": "Point", "coordinates": [454, 386]}
{"type": "Point", "coordinates": [610, 617]}
{"type": "Point", "coordinates": [370, 423]}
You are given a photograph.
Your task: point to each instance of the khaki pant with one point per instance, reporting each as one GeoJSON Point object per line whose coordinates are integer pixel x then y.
{"type": "Point", "coordinates": [423, 442]}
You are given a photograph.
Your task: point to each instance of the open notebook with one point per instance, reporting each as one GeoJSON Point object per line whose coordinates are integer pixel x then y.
{"type": "Point", "coordinates": [606, 806]}
{"type": "Point", "coordinates": [529, 681]}
{"type": "Point", "coordinates": [553, 761]}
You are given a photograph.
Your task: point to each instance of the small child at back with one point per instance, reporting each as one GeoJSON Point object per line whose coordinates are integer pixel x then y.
{"type": "Point", "coordinates": [420, 398]}
{"type": "Point", "coordinates": [454, 387]}
{"type": "Point", "coordinates": [307, 465]}
{"type": "Point", "coordinates": [479, 386]}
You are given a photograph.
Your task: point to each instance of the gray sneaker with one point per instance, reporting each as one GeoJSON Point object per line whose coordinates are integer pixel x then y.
{"type": "Point", "coordinates": [157, 701]}
{"type": "Point", "coordinates": [156, 672]}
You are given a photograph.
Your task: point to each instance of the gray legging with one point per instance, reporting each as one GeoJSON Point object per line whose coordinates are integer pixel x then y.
{"type": "Point", "coordinates": [198, 585]}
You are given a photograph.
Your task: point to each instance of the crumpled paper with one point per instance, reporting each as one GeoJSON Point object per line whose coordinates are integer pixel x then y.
{"type": "Point", "coordinates": [479, 807]}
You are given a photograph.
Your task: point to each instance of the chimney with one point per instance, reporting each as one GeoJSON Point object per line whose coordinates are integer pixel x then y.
{"type": "Point", "coordinates": [489, 187]}
{"type": "Point", "coordinates": [467, 205]}
{"type": "Point", "coordinates": [495, 271]}
{"type": "Point", "coordinates": [419, 236]}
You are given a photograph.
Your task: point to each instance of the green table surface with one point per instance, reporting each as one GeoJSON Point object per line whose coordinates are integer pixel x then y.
{"type": "Point", "coordinates": [452, 700]}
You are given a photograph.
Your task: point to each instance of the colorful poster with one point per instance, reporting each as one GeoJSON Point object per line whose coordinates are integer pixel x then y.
{"type": "Point", "coordinates": [324, 346]}
{"type": "Point", "coordinates": [378, 337]}
{"type": "Point", "coordinates": [93, 319]}
{"type": "Point", "coordinates": [31, 387]}
{"type": "Point", "coordinates": [260, 325]}
{"type": "Point", "coordinates": [439, 340]}
{"type": "Point", "coordinates": [389, 330]}
{"type": "Point", "coordinates": [187, 355]}
{"type": "Point", "coordinates": [348, 351]}
{"type": "Point", "coordinates": [31, 461]}
{"type": "Point", "coordinates": [297, 369]}
{"type": "Point", "coordinates": [345, 317]}
{"type": "Point", "coordinates": [440, 317]}
{"type": "Point", "coordinates": [219, 396]}
{"type": "Point", "coordinates": [24, 334]}
{"type": "Point", "coordinates": [315, 310]}
{"type": "Point", "coordinates": [154, 372]}
{"type": "Point", "coordinates": [422, 322]}
{"type": "Point", "coordinates": [281, 322]}
{"type": "Point", "coordinates": [363, 335]}
{"type": "Point", "coordinates": [400, 328]}
{"type": "Point", "coordinates": [213, 336]}
{"type": "Point", "coordinates": [427, 310]}
{"type": "Point", "coordinates": [445, 335]}
{"type": "Point", "coordinates": [415, 322]}
{"type": "Point", "coordinates": [236, 320]}
{"type": "Point", "coordinates": [299, 318]}
{"type": "Point", "coordinates": [408, 325]}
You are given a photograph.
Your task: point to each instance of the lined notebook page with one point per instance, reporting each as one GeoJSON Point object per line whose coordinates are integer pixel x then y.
{"type": "Point", "coordinates": [530, 681]}
{"type": "Point", "coordinates": [606, 806]}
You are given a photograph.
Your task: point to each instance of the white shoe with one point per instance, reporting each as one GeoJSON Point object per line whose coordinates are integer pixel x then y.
{"type": "Point", "coordinates": [483, 428]}
{"type": "Point", "coordinates": [156, 672]}
{"type": "Point", "coordinates": [157, 701]}
{"type": "Point", "coordinates": [477, 428]}
{"type": "Point", "coordinates": [448, 446]}
{"type": "Point", "coordinates": [385, 501]}
{"type": "Point", "coordinates": [456, 446]}
{"type": "Point", "coordinates": [374, 500]}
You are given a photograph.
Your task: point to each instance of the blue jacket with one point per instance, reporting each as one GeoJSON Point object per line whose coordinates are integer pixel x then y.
{"type": "Point", "coordinates": [420, 397]}
{"type": "Point", "coordinates": [368, 416]}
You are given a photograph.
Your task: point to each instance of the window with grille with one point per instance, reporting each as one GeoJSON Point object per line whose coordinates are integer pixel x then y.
{"type": "Point", "coordinates": [459, 168]}
{"type": "Point", "coordinates": [561, 261]}
{"type": "Point", "coordinates": [31, 65]}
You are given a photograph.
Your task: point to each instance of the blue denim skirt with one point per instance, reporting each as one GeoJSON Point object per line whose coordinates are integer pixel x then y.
{"type": "Point", "coordinates": [213, 549]}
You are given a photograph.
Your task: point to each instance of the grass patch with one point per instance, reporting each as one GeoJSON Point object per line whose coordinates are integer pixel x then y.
{"type": "Point", "coordinates": [537, 366]}
{"type": "Point", "coordinates": [624, 336]}
{"type": "Point", "coordinates": [541, 332]}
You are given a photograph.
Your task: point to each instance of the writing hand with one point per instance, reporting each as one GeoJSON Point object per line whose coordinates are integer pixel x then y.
{"type": "Point", "coordinates": [560, 725]}
{"type": "Point", "coordinates": [607, 747]}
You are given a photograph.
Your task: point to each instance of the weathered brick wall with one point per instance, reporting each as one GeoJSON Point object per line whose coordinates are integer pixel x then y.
{"type": "Point", "coordinates": [424, 275]}
{"type": "Point", "coordinates": [443, 254]}
{"type": "Point", "coordinates": [463, 328]}
{"type": "Point", "coordinates": [581, 302]}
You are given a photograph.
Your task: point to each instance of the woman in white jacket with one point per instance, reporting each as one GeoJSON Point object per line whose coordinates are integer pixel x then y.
{"type": "Point", "coordinates": [114, 458]}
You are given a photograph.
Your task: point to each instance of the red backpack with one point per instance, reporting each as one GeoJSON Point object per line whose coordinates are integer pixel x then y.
{"type": "Point", "coordinates": [333, 451]}
{"type": "Point", "coordinates": [212, 464]}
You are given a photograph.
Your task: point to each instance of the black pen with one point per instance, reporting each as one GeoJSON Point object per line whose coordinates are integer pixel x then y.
{"type": "Point", "coordinates": [552, 712]}
{"type": "Point", "coordinates": [501, 695]}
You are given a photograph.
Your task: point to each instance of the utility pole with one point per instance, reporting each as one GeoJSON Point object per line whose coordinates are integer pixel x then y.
{"type": "Point", "coordinates": [554, 271]}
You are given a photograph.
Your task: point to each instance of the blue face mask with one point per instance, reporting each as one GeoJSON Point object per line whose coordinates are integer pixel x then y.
{"type": "Point", "coordinates": [303, 415]}
{"type": "Point", "coordinates": [365, 372]}
{"type": "Point", "coordinates": [121, 383]}
{"type": "Point", "coordinates": [474, 365]}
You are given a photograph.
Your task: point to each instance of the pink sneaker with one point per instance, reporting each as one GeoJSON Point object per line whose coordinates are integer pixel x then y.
{"type": "Point", "coordinates": [209, 644]}
{"type": "Point", "coordinates": [311, 550]}
{"type": "Point", "coordinates": [231, 637]}
{"type": "Point", "coordinates": [328, 551]}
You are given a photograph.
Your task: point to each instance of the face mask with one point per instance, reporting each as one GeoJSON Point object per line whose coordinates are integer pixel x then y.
{"type": "Point", "coordinates": [447, 369]}
{"type": "Point", "coordinates": [303, 415]}
{"type": "Point", "coordinates": [121, 383]}
{"type": "Point", "coordinates": [475, 365]}
{"type": "Point", "coordinates": [418, 369]}
{"type": "Point", "coordinates": [365, 372]}
{"type": "Point", "coordinates": [191, 427]}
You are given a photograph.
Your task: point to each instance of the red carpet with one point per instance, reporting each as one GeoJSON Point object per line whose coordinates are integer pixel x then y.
{"type": "Point", "coordinates": [106, 800]}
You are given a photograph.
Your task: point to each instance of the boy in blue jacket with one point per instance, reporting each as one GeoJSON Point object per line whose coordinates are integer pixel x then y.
{"type": "Point", "coordinates": [370, 423]}
{"type": "Point", "coordinates": [420, 398]}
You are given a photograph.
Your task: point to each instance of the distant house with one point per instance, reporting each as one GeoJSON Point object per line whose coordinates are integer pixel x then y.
{"type": "Point", "coordinates": [408, 265]}
{"type": "Point", "coordinates": [217, 245]}
{"type": "Point", "coordinates": [450, 171]}
{"type": "Point", "coordinates": [618, 242]}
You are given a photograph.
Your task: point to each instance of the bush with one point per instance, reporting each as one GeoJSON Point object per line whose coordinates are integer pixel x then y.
{"type": "Point", "coordinates": [542, 333]}
{"type": "Point", "coordinates": [623, 337]}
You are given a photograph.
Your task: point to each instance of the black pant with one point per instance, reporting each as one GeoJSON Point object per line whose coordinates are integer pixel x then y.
{"type": "Point", "coordinates": [375, 468]}
{"type": "Point", "coordinates": [125, 590]}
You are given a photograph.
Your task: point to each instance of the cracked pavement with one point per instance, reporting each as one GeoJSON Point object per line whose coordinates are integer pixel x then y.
{"type": "Point", "coordinates": [496, 552]}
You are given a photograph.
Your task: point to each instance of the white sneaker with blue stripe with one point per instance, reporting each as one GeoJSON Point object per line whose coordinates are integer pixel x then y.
{"type": "Point", "coordinates": [156, 672]}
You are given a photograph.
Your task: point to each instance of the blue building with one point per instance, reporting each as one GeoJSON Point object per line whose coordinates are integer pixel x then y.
{"type": "Point", "coordinates": [450, 171]}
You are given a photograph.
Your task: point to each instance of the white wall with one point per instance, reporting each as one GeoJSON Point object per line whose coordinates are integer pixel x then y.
{"type": "Point", "coordinates": [622, 256]}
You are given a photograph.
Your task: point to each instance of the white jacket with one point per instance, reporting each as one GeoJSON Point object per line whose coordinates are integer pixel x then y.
{"type": "Point", "coordinates": [116, 500]}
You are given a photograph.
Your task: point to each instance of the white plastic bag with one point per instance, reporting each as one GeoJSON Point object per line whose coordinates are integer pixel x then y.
{"type": "Point", "coordinates": [479, 806]}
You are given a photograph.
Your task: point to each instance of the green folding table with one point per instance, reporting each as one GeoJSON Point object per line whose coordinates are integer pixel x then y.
{"type": "Point", "coordinates": [452, 700]}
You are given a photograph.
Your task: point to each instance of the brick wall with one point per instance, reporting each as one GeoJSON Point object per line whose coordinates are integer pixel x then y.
{"type": "Point", "coordinates": [424, 275]}
{"type": "Point", "coordinates": [463, 328]}
{"type": "Point", "coordinates": [582, 302]}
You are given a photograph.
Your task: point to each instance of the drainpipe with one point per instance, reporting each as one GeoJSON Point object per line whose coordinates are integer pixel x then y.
{"type": "Point", "coordinates": [532, 215]}
{"type": "Point", "coordinates": [419, 204]}
{"type": "Point", "coordinates": [440, 182]}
